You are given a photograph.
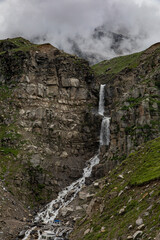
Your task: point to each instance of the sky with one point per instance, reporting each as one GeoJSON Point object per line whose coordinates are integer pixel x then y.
{"type": "Point", "coordinates": [62, 22]}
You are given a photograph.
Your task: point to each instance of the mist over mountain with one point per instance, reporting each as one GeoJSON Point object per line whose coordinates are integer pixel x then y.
{"type": "Point", "coordinates": [110, 42]}
{"type": "Point", "coordinates": [95, 30]}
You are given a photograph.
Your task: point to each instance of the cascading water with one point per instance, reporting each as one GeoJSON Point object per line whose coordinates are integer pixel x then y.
{"type": "Point", "coordinates": [48, 215]}
{"type": "Point", "coordinates": [101, 100]}
{"type": "Point", "coordinates": [105, 132]}
{"type": "Point", "coordinates": [68, 194]}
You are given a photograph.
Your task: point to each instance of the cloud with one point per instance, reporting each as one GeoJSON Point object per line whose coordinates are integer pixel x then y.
{"type": "Point", "coordinates": [70, 24]}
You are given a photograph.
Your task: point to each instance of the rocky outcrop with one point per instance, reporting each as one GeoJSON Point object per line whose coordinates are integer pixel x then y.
{"type": "Point", "coordinates": [48, 103]}
{"type": "Point", "coordinates": [132, 100]}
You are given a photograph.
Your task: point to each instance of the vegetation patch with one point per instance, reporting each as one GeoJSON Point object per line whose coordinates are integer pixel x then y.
{"type": "Point", "coordinates": [117, 64]}
{"type": "Point", "coordinates": [130, 191]}
{"type": "Point", "coordinates": [5, 92]}
{"type": "Point", "coordinates": [149, 164]}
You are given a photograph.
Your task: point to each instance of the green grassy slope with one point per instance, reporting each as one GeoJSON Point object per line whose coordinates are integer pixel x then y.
{"type": "Point", "coordinates": [132, 190]}
{"type": "Point", "coordinates": [115, 65]}
{"type": "Point", "coordinates": [15, 44]}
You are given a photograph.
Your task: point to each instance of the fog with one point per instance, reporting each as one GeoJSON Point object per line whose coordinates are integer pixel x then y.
{"type": "Point", "coordinates": [70, 24]}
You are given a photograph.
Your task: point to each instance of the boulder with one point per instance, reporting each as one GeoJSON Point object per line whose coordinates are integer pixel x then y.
{"type": "Point", "coordinates": [64, 154]}
{"type": "Point", "coordinates": [102, 229]}
{"type": "Point", "coordinates": [139, 221]}
{"type": "Point", "coordinates": [122, 210]}
{"type": "Point", "coordinates": [137, 234]}
{"type": "Point", "coordinates": [86, 232]}
{"type": "Point", "coordinates": [129, 237]}
{"type": "Point", "coordinates": [142, 226]}
{"type": "Point", "coordinates": [66, 211]}
{"type": "Point", "coordinates": [35, 160]}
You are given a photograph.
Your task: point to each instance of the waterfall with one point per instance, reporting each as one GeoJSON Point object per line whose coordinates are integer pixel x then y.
{"type": "Point", "coordinates": [68, 194]}
{"type": "Point", "coordinates": [48, 215]}
{"type": "Point", "coordinates": [101, 100]}
{"type": "Point", "coordinates": [105, 125]}
{"type": "Point", "coordinates": [105, 132]}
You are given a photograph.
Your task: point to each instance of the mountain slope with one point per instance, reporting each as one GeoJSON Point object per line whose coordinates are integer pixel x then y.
{"type": "Point", "coordinates": [127, 200]}
{"type": "Point", "coordinates": [132, 100]}
{"type": "Point", "coordinates": [49, 128]}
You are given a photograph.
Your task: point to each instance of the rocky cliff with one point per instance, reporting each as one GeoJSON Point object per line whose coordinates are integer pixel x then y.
{"type": "Point", "coordinates": [47, 123]}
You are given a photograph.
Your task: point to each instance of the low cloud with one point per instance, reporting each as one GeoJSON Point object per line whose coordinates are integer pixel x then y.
{"type": "Point", "coordinates": [84, 27]}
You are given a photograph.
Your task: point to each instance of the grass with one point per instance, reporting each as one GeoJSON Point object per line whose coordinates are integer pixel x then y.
{"type": "Point", "coordinates": [149, 164]}
{"type": "Point", "coordinates": [15, 45]}
{"type": "Point", "coordinates": [5, 92]}
{"type": "Point", "coordinates": [117, 64]}
{"type": "Point", "coordinates": [15, 42]}
{"type": "Point", "coordinates": [141, 172]}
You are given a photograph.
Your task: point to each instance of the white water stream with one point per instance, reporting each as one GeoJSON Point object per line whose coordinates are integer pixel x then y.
{"type": "Point", "coordinates": [105, 132]}
{"type": "Point", "coordinates": [101, 100]}
{"type": "Point", "coordinates": [68, 194]}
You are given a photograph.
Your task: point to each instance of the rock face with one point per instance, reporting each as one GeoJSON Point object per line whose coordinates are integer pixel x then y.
{"type": "Point", "coordinates": [132, 102]}
{"type": "Point", "coordinates": [47, 101]}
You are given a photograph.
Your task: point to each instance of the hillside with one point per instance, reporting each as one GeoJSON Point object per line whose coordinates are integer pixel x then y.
{"type": "Point", "coordinates": [126, 201]}
{"type": "Point", "coordinates": [132, 100]}
{"type": "Point", "coordinates": [125, 204]}
{"type": "Point", "coordinates": [49, 128]}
